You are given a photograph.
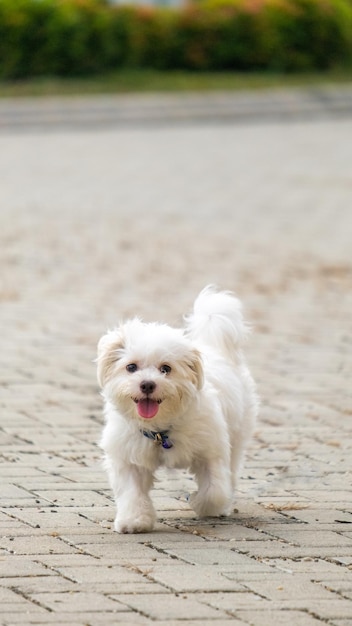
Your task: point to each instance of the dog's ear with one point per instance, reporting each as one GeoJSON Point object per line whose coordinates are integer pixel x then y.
{"type": "Point", "coordinates": [196, 367]}
{"type": "Point", "coordinates": [109, 351]}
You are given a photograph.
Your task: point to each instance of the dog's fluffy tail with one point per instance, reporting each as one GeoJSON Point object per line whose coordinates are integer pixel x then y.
{"type": "Point", "coordinates": [217, 321]}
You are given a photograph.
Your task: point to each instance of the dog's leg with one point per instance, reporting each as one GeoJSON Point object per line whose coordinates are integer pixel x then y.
{"type": "Point", "coordinates": [131, 485]}
{"type": "Point", "coordinates": [214, 495]}
{"type": "Point", "coordinates": [237, 454]}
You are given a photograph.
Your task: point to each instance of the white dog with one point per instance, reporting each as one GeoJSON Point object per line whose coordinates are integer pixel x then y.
{"type": "Point", "coordinates": [177, 398]}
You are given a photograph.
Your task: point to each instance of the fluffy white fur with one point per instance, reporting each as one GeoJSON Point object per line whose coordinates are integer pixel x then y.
{"type": "Point", "coordinates": [206, 401]}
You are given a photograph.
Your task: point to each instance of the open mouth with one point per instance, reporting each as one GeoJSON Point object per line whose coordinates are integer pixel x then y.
{"type": "Point", "coordinates": [147, 407]}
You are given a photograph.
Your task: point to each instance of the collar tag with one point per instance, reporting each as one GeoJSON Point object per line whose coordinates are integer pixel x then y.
{"type": "Point", "coordinates": [160, 438]}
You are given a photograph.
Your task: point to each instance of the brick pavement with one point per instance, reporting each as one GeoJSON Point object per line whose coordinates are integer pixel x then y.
{"type": "Point", "coordinates": [319, 101]}
{"type": "Point", "coordinates": [106, 222]}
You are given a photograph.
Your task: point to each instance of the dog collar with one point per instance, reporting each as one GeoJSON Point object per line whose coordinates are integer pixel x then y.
{"type": "Point", "coordinates": [161, 438]}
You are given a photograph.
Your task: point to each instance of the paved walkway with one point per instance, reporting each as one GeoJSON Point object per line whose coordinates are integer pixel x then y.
{"type": "Point", "coordinates": [170, 108]}
{"type": "Point", "coordinates": [100, 223]}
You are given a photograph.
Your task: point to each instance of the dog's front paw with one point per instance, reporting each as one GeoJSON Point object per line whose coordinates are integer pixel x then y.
{"type": "Point", "coordinates": [211, 504]}
{"type": "Point", "coordinates": [141, 524]}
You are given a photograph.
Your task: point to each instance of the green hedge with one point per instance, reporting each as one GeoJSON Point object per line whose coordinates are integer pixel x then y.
{"type": "Point", "coordinates": [80, 37]}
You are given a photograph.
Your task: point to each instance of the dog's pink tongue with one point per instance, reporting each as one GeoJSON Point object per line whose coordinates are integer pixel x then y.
{"type": "Point", "coordinates": [147, 408]}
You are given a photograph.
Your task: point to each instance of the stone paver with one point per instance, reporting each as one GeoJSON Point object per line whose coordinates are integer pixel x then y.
{"type": "Point", "coordinates": [102, 222]}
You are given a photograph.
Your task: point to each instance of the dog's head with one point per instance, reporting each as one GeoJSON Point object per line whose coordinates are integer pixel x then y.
{"type": "Point", "coordinates": [149, 371]}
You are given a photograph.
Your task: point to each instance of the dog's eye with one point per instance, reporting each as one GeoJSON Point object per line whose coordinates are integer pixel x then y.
{"type": "Point", "coordinates": [165, 369]}
{"type": "Point", "coordinates": [131, 367]}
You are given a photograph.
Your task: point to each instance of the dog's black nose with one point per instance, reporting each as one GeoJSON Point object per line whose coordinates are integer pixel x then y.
{"type": "Point", "coordinates": [147, 386]}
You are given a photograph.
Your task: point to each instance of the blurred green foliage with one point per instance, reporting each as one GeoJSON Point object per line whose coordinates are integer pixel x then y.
{"type": "Point", "coordinates": [82, 37]}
